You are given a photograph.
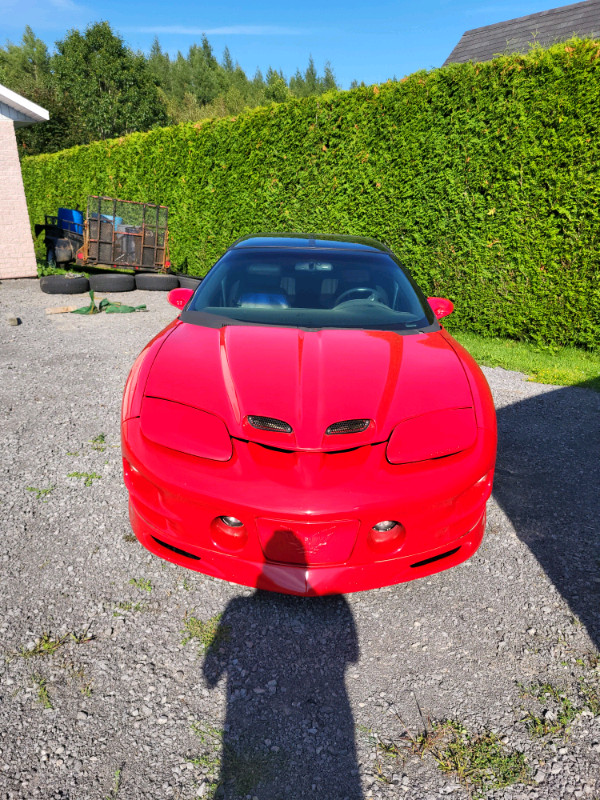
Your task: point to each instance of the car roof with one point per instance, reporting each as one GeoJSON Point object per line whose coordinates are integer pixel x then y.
{"type": "Point", "coordinates": [310, 241]}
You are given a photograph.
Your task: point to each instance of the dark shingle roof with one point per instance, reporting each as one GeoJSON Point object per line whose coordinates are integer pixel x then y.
{"type": "Point", "coordinates": [515, 35]}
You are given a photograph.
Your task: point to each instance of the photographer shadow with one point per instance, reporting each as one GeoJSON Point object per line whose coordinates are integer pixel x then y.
{"type": "Point", "coordinates": [547, 483]}
{"type": "Point", "coordinates": [289, 730]}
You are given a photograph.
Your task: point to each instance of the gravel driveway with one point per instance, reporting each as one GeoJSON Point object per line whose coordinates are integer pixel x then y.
{"type": "Point", "coordinates": [101, 698]}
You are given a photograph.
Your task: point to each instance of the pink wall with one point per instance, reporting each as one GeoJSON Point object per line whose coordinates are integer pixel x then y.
{"type": "Point", "coordinates": [17, 257]}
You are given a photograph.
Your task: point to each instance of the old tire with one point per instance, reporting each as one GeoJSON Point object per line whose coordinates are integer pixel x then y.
{"type": "Point", "coordinates": [63, 284]}
{"type": "Point", "coordinates": [151, 282]}
{"type": "Point", "coordinates": [112, 282]}
{"type": "Point", "coordinates": [187, 282]}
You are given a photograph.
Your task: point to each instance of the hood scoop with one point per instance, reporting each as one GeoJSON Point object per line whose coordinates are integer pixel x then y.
{"type": "Point", "coordinates": [348, 426]}
{"type": "Point", "coordinates": [269, 424]}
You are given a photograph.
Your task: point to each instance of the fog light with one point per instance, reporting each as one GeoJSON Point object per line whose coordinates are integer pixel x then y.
{"type": "Point", "coordinates": [386, 525]}
{"type": "Point", "coordinates": [233, 522]}
{"type": "Point", "coordinates": [386, 538]}
{"type": "Point", "coordinates": [228, 533]}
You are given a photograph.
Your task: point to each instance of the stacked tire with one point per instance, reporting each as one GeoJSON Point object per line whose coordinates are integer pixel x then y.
{"type": "Point", "coordinates": [156, 282]}
{"type": "Point", "coordinates": [112, 282]}
{"type": "Point", "coordinates": [64, 284]}
{"type": "Point", "coordinates": [187, 282]}
{"type": "Point", "coordinates": [116, 282]}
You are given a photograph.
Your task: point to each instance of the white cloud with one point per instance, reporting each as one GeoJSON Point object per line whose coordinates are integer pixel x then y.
{"type": "Point", "coordinates": [67, 5]}
{"type": "Point", "coordinates": [229, 30]}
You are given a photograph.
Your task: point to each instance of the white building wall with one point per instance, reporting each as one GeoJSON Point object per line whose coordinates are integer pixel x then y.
{"type": "Point", "coordinates": [17, 257]}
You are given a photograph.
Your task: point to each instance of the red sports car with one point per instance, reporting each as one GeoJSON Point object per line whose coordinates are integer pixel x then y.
{"type": "Point", "coordinates": [306, 425]}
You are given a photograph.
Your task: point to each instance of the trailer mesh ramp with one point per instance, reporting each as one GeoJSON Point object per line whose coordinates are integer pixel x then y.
{"type": "Point", "coordinates": [125, 233]}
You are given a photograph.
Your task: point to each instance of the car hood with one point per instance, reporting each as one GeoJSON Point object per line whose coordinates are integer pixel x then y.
{"type": "Point", "coordinates": [309, 379]}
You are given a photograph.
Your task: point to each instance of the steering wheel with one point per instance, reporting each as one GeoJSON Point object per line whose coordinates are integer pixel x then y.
{"type": "Point", "coordinates": [365, 292]}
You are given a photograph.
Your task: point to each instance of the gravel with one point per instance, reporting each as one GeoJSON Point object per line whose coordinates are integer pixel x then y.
{"type": "Point", "coordinates": [303, 692]}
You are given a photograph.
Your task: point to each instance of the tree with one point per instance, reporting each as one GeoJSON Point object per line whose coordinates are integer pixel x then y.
{"type": "Point", "coordinates": [95, 87]}
{"type": "Point", "coordinates": [204, 72]}
{"type": "Point", "coordinates": [111, 87]}
{"type": "Point", "coordinates": [276, 90]}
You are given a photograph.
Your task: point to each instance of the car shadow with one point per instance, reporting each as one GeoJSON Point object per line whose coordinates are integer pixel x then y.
{"type": "Point", "coordinates": [547, 483]}
{"type": "Point", "coordinates": [289, 730]}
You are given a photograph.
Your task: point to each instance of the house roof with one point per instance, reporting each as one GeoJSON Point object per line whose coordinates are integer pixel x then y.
{"type": "Point", "coordinates": [19, 109]}
{"type": "Point", "coordinates": [516, 35]}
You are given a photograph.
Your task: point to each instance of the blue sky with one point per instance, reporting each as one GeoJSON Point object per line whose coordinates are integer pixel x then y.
{"type": "Point", "coordinates": [368, 42]}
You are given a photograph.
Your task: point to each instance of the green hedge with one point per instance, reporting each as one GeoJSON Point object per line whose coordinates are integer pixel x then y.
{"type": "Point", "coordinates": [483, 178]}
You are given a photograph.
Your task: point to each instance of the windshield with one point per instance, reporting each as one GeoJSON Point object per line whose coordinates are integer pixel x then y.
{"type": "Point", "coordinates": [312, 288]}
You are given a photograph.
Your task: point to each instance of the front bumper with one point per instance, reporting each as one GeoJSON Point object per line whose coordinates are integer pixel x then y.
{"type": "Point", "coordinates": [176, 499]}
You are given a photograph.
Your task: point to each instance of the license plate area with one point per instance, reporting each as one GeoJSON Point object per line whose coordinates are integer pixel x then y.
{"type": "Point", "coordinates": [307, 543]}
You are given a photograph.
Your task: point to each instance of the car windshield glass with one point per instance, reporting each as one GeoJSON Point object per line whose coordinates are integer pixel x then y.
{"type": "Point", "coordinates": [312, 288]}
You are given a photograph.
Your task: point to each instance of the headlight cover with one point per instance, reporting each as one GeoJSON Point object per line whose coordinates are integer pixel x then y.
{"type": "Point", "coordinates": [186, 429]}
{"type": "Point", "coordinates": [432, 435]}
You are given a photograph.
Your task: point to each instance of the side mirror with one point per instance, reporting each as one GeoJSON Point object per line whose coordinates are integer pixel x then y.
{"type": "Point", "coordinates": [439, 305]}
{"type": "Point", "coordinates": [181, 297]}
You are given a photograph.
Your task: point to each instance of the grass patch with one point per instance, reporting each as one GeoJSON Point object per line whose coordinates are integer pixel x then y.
{"type": "Point", "coordinates": [556, 719]}
{"type": "Point", "coordinates": [208, 761]}
{"type": "Point", "coordinates": [89, 477]}
{"type": "Point", "coordinates": [141, 583]}
{"type": "Point", "coordinates": [43, 269]}
{"type": "Point", "coordinates": [99, 442]}
{"type": "Point", "coordinates": [247, 766]}
{"type": "Point", "coordinates": [47, 644]}
{"type": "Point", "coordinates": [480, 762]}
{"type": "Point", "coordinates": [43, 697]}
{"type": "Point", "coordinates": [209, 633]}
{"type": "Point", "coordinates": [40, 494]}
{"type": "Point", "coordinates": [590, 694]}
{"type": "Point", "coordinates": [560, 366]}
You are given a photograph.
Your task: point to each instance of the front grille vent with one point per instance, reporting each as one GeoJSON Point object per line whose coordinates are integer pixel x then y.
{"type": "Point", "coordinates": [348, 426]}
{"type": "Point", "coordinates": [269, 424]}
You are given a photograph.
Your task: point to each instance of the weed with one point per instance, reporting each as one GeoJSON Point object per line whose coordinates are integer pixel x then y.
{"type": "Point", "coordinates": [480, 762]}
{"type": "Point", "coordinates": [128, 606]}
{"type": "Point", "coordinates": [590, 695]}
{"type": "Point", "coordinates": [207, 733]}
{"type": "Point", "coordinates": [210, 633]}
{"type": "Point", "coordinates": [83, 637]}
{"type": "Point", "coordinates": [186, 585]}
{"type": "Point", "coordinates": [247, 765]}
{"type": "Point", "coordinates": [99, 442]}
{"type": "Point", "coordinates": [72, 454]}
{"type": "Point", "coordinates": [553, 721]}
{"type": "Point", "coordinates": [129, 537]}
{"type": "Point", "coordinates": [41, 494]}
{"type": "Point", "coordinates": [89, 477]}
{"type": "Point", "coordinates": [46, 645]}
{"type": "Point", "coordinates": [116, 785]}
{"type": "Point", "coordinates": [209, 762]}
{"type": "Point", "coordinates": [42, 691]}
{"type": "Point", "coordinates": [78, 674]}
{"type": "Point", "coordinates": [141, 583]}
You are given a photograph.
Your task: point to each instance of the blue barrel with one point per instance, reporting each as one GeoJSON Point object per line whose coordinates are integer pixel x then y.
{"type": "Point", "coordinates": [69, 219]}
{"type": "Point", "coordinates": [116, 221]}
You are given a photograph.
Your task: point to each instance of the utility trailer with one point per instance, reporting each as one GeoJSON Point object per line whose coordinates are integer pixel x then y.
{"type": "Point", "coordinates": [116, 234]}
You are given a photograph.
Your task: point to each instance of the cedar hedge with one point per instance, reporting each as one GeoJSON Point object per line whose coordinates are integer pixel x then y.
{"type": "Point", "coordinates": [483, 178]}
